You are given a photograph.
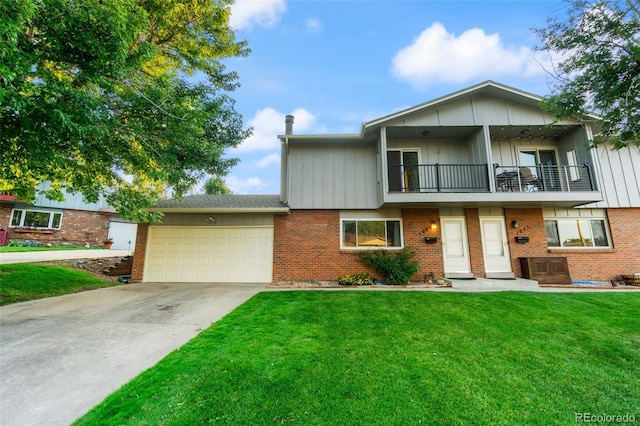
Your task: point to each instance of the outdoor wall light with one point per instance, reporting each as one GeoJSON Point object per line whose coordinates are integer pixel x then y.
{"type": "Point", "coordinates": [426, 133]}
{"type": "Point", "coordinates": [211, 220]}
{"type": "Point", "coordinates": [434, 225]}
{"type": "Point", "coordinates": [514, 224]}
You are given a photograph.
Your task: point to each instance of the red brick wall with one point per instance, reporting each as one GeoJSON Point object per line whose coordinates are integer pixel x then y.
{"type": "Point", "coordinates": [530, 224]}
{"type": "Point", "coordinates": [605, 265]}
{"type": "Point", "coordinates": [585, 264]}
{"type": "Point", "coordinates": [78, 227]}
{"type": "Point", "coordinates": [137, 268]}
{"type": "Point", "coordinates": [476, 254]}
{"type": "Point", "coordinates": [307, 245]}
{"type": "Point", "coordinates": [417, 226]}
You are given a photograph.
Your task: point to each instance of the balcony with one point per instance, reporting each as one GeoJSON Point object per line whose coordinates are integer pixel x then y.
{"type": "Point", "coordinates": [439, 178]}
{"type": "Point", "coordinates": [544, 178]}
{"type": "Point", "coordinates": [474, 184]}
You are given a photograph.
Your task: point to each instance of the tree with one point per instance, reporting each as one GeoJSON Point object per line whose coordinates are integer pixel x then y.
{"type": "Point", "coordinates": [216, 185]}
{"type": "Point", "coordinates": [95, 97]}
{"type": "Point", "coordinates": [599, 67]}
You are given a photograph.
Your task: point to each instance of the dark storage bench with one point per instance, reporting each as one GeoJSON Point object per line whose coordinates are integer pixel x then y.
{"type": "Point", "coordinates": [546, 270]}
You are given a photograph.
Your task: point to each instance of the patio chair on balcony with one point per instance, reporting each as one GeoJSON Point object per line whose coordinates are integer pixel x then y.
{"type": "Point", "coordinates": [529, 180]}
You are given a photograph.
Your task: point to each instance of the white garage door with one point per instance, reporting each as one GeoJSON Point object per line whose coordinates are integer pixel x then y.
{"type": "Point", "coordinates": [207, 254]}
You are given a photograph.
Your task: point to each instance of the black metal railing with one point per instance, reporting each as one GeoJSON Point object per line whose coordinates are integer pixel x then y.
{"type": "Point", "coordinates": [475, 178]}
{"type": "Point", "coordinates": [544, 178]}
{"type": "Point", "coordinates": [439, 178]}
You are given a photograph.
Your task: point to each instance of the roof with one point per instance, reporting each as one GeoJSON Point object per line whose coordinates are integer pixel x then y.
{"type": "Point", "coordinates": [227, 203]}
{"type": "Point", "coordinates": [371, 129]}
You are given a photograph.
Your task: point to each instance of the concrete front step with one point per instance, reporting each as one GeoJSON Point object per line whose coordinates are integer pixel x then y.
{"type": "Point", "coordinates": [500, 275]}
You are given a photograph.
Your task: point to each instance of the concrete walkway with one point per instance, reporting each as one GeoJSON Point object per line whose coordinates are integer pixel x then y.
{"type": "Point", "coordinates": [61, 356]}
{"type": "Point", "coordinates": [47, 255]}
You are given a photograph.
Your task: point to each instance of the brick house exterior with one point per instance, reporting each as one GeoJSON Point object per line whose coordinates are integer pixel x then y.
{"type": "Point", "coordinates": [72, 221]}
{"type": "Point", "coordinates": [446, 178]}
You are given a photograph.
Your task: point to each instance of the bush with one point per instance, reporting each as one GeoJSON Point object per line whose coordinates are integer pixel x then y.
{"type": "Point", "coordinates": [356, 279]}
{"type": "Point", "coordinates": [397, 268]}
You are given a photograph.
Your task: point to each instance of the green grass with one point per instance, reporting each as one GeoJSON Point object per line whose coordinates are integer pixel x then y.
{"type": "Point", "coordinates": [22, 282]}
{"type": "Point", "coordinates": [396, 358]}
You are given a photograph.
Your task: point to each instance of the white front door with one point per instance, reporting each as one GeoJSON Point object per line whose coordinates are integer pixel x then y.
{"type": "Point", "coordinates": [455, 247]}
{"type": "Point", "coordinates": [495, 245]}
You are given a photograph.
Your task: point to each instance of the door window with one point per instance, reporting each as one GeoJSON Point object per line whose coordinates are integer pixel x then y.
{"type": "Point", "coordinates": [404, 173]}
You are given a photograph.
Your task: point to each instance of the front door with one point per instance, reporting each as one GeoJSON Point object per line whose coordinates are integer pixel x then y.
{"type": "Point", "coordinates": [455, 247]}
{"type": "Point", "coordinates": [495, 245]}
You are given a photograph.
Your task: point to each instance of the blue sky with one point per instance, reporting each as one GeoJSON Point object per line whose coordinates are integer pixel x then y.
{"type": "Point", "coordinates": [335, 64]}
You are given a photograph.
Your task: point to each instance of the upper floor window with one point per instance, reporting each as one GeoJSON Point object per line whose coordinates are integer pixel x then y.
{"type": "Point", "coordinates": [404, 172]}
{"type": "Point", "coordinates": [577, 232]}
{"type": "Point", "coordinates": [371, 233]}
{"type": "Point", "coordinates": [36, 219]}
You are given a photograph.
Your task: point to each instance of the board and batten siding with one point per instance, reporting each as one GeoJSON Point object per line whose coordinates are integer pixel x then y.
{"type": "Point", "coordinates": [333, 176]}
{"type": "Point", "coordinates": [619, 177]}
{"type": "Point", "coordinates": [475, 111]}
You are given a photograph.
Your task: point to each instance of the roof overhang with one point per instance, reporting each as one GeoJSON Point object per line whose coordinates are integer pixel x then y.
{"type": "Point", "coordinates": [274, 210]}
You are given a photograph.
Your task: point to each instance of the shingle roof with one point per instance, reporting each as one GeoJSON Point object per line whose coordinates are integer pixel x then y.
{"type": "Point", "coordinates": [230, 202]}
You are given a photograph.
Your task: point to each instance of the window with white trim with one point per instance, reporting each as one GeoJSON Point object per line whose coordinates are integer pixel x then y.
{"type": "Point", "coordinates": [35, 219]}
{"type": "Point", "coordinates": [370, 233]}
{"type": "Point", "coordinates": [577, 232]}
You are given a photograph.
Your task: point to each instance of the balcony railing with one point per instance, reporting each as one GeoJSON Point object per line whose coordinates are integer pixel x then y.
{"type": "Point", "coordinates": [475, 178]}
{"type": "Point", "coordinates": [439, 178]}
{"type": "Point", "coordinates": [544, 178]}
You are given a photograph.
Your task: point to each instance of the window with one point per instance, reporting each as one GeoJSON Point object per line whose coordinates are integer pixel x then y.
{"type": "Point", "coordinates": [577, 232]}
{"type": "Point", "coordinates": [36, 219]}
{"type": "Point", "coordinates": [532, 158]}
{"type": "Point", "coordinates": [403, 171]}
{"type": "Point", "coordinates": [371, 233]}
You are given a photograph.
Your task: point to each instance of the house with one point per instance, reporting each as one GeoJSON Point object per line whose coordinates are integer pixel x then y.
{"type": "Point", "coordinates": [72, 221]}
{"type": "Point", "coordinates": [481, 183]}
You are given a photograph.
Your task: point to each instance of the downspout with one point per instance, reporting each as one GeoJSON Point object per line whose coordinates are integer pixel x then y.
{"type": "Point", "coordinates": [284, 157]}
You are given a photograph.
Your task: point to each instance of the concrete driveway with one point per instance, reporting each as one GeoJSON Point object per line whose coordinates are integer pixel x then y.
{"type": "Point", "coordinates": [61, 356]}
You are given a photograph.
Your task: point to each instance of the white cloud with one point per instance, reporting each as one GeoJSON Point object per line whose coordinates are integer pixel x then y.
{"type": "Point", "coordinates": [248, 185]}
{"type": "Point", "coordinates": [267, 161]}
{"type": "Point", "coordinates": [437, 56]}
{"type": "Point", "coordinates": [313, 25]}
{"type": "Point", "coordinates": [268, 123]}
{"type": "Point", "coordinates": [264, 13]}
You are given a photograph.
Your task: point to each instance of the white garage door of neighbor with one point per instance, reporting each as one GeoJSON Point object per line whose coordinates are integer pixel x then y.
{"type": "Point", "coordinates": [206, 254]}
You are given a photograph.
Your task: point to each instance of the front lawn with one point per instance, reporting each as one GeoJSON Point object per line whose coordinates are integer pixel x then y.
{"type": "Point", "coordinates": [396, 357]}
{"type": "Point", "coordinates": [23, 281]}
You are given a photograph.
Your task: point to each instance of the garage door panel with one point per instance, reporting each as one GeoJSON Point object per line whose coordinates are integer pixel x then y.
{"type": "Point", "coordinates": [205, 254]}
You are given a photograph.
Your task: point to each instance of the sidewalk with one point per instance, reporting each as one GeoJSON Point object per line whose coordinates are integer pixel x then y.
{"type": "Point", "coordinates": [46, 256]}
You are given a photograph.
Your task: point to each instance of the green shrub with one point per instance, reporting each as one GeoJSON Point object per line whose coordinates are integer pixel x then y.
{"type": "Point", "coordinates": [356, 279]}
{"type": "Point", "coordinates": [396, 267]}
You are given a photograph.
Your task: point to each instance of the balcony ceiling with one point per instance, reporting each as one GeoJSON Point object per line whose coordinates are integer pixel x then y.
{"type": "Point", "coordinates": [531, 132]}
{"type": "Point", "coordinates": [432, 132]}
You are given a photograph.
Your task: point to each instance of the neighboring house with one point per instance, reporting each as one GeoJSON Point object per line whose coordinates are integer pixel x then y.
{"type": "Point", "coordinates": [480, 183]}
{"type": "Point", "coordinates": [72, 221]}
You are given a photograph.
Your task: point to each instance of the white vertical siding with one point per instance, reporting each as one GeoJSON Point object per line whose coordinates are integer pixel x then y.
{"type": "Point", "coordinates": [619, 177]}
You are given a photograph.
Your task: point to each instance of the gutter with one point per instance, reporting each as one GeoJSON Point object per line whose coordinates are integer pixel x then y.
{"type": "Point", "coordinates": [220, 210]}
